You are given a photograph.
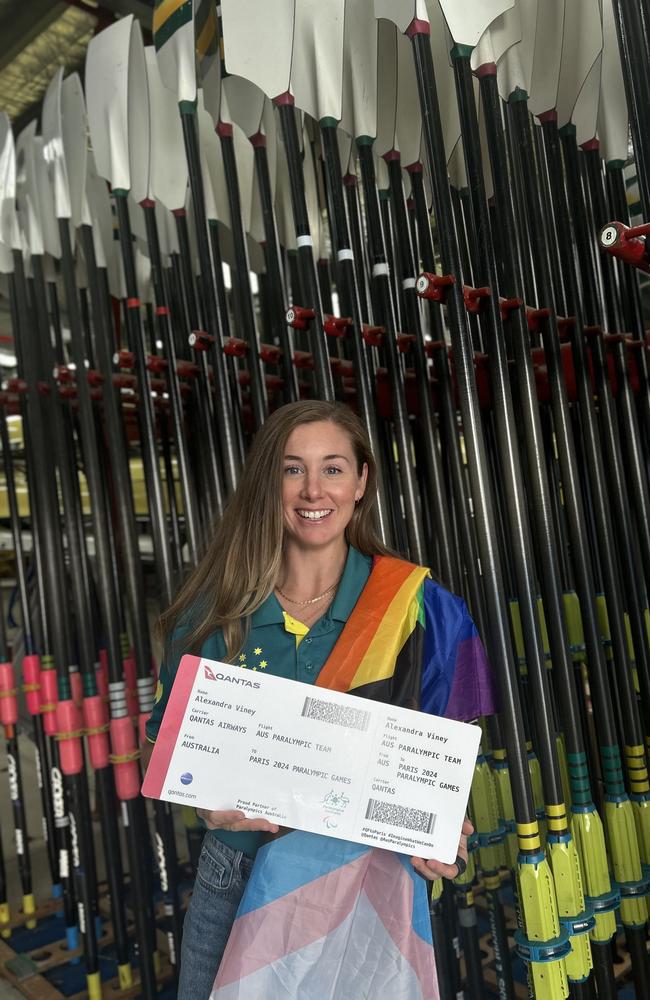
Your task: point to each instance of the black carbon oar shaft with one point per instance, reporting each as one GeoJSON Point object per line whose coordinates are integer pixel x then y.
{"type": "Point", "coordinates": [308, 276]}
{"type": "Point", "coordinates": [49, 439]}
{"type": "Point", "coordinates": [386, 315]}
{"type": "Point", "coordinates": [274, 270]}
{"type": "Point", "coordinates": [223, 401]}
{"type": "Point", "coordinates": [472, 585]}
{"type": "Point", "coordinates": [435, 486]}
{"type": "Point", "coordinates": [498, 635]}
{"type": "Point", "coordinates": [162, 548]}
{"type": "Point", "coordinates": [190, 506]}
{"type": "Point", "coordinates": [241, 279]}
{"type": "Point", "coordinates": [56, 826]}
{"type": "Point", "coordinates": [347, 286]}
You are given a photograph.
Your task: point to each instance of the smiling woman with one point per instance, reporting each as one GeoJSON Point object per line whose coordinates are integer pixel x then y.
{"type": "Point", "coordinates": [297, 582]}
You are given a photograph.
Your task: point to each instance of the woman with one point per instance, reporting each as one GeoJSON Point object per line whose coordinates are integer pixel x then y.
{"type": "Point", "coordinates": [291, 584]}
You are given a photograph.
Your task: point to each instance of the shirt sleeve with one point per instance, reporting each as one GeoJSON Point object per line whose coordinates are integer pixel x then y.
{"type": "Point", "coordinates": [166, 674]}
{"type": "Point", "coordinates": [457, 679]}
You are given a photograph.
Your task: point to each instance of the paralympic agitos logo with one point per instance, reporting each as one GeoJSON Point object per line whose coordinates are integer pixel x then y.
{"type": "Point", "coordinates": [242, 681]}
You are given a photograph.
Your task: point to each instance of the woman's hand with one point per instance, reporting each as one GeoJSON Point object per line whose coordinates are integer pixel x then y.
{"type": "Point", "coordinates": [436, 869]}
{"type": "Point", "coordinates": [235, 821]}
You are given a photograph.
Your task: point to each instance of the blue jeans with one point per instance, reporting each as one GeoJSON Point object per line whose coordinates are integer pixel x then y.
{"type": "Point", "coordinates": [221, 877]}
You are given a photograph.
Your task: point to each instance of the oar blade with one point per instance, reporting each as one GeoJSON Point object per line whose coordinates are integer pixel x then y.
{"type": "Point", "coordinates": [173, 34]}
{"type": "Point", "coordinates": [75, 143]}
{"type": "Point", "coordinates": [168, 177]}
{"type": "Point", "coordinates": [468, 19]}
{"type": "Point", "coordinates": [359, 90]}
{"type": "Point", "coordinates": [317, 57]}
{"type": "Point", "coordinates": [118, 106]}
{"type": "Point", "coordinates": [613, 117]}
{"type": "Point", "coordinates": [9, 231]}
{"type": "Point", "coordinates": [258, 42]}
{"type": "Point", "coordinates": [582, 43]}
{"type": "Point", "coordinates": [52, 130]}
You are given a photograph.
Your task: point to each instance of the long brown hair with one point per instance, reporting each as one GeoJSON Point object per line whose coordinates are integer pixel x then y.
{"type": "Point", "coordinates": [243, 560]}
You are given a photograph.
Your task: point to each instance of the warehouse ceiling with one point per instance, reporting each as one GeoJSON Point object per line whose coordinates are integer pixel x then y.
{"type": "Point", "coordinates": [38, 36]}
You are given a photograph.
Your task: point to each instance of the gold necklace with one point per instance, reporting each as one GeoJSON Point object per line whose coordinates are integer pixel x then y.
{"type": "Point", "coordinates": [312, 600]}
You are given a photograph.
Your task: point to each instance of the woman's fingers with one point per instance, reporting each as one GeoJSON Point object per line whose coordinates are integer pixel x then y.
{"type": "Point", "coordinates": [261, 825]}
{"type": "Point", "coordinates": [234, 820]}
{"type": "Point", "coordinates": [434, 869]}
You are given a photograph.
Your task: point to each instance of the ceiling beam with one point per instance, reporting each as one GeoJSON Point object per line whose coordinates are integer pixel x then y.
{"type": "Point", "coordinates": [25, 25]}
{"type": "Point", "coordinates": [142, 10]}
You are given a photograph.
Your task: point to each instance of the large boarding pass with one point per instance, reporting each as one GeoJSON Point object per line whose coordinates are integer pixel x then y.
{"type": "Point", "coordinates": [313, 759]}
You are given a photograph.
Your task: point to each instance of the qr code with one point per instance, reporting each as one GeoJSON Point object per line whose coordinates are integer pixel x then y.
{"type": "Point", "coordinates": [338, 715]}
{"type": "Point", "coordinates": [402, 816]}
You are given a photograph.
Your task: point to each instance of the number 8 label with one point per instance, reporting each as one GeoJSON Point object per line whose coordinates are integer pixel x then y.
{"type": "Point", "coordinates": [609, 236]}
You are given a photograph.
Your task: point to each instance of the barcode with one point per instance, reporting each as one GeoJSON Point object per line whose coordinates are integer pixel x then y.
{"type": "Point", "coordinates": [403, 816]}
{"type": "Point", "coordinates": [338, 715]}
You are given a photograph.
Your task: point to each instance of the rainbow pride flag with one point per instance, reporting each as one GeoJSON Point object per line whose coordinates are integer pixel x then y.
{"type": "Point", "coordinates": [325, 919]}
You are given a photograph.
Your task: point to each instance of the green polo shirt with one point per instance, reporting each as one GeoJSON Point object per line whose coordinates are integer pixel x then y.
{"type": "Point", "coordinates": [275, 644]}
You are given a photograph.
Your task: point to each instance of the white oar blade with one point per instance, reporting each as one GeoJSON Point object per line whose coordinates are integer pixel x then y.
{"type": "Point", "coordinates": [9, 231]}
{"type": "Point", "coordinates": [582, 43]}
{"type": "Point", "coordinates": [457, 174]}
{"type": "Point", "coordinates": [75, 143]}
{"type": "Point", "coordinates": [359, 91]}
{"type": "Point", "coordinates": [401, 12]}
{"type": "Point", "coordinates": [612, 111]}
{"type": "Point", "coordinates": [547, 55]}
{"type": "Point", "coordinates": [208, 59]}
{"type": "Point", "coordinates": [173, 33]}
{"type": "Point", "coordinates": [585, 111]}
{"type": "Point", "coordinates": [168, 176]}
{"type": "Point", "coordinates": [97, 213]}
{"type": "Point", "coordinates": [118, 107]}
{"type": "Point", "coordinates": [6, 265]}
{"type": "Point", "coordinates": [515, 66]}
{"type": "Point", "coordinates": [34, 196]}
{"type": "Point", "coordinates": [445, 84]}
{"type": "Point", "coordinates": [52, 130]}
{"type": "Point", "coordinates": [504, 32]}
{"type": "Point", "coordinates": [409, 120]}
{"type": "Point", "coordinates": [468, 19]}
{"type": "Point", "coordinates": [214, 184]}
{"type": "Point", "coordinates": [386, 87]}
{"type": "Point", "coordinates": [245, 103]}
{"type": "Point", "coordinates": [258, 42]}
{"type": "Point", "coordinates": [317, 57]}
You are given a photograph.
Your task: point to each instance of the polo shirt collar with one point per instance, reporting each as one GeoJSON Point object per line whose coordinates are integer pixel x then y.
{"type": "Point", "coordinates": [355, 576]}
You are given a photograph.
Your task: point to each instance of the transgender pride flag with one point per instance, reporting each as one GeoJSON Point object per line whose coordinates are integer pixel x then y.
{"type": "Point", "coordinates": [324, 919]}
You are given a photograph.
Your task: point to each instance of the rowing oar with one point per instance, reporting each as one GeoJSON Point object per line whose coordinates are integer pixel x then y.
{"type": "Point", "coordinates": [9, 720]}
{"type": "Point", "coordinates": [48, 438]}
{"type": "Point", "coordinates": [620, 816]}
{"type": "Point", "coordinates": [563, 855]}
{"type": "Point", "coordinates": [633, 596]}
{"type": "Point", "coordinates": [64, 129]}
{"type": "Point", "coordinates": [166, 186]}
{"type": "Point", "coordinates": [248, 28]}
{"type": "Point", "coordinates": [613, 131]}
{"type": "Point", "coordinates": [255, 115]}
{"type": "Point", "coordinates": [122, 157]}
{"type": "Point", "coordinates": [209, 66]}
{"type": "Point", "coordinates": [174, 37]}
{"type": "Point", "coordinates": [539, 908]}
{"type": "Point", "coordinates": [586, 821]}
{"type": "Point", "coordinates": [322, 98]}
{"type": "Point", "coordinates": [629, 22]}
{"type": "Point", "coordinates": [11, 238]}
{"type": "Point", "coordinates": [398, 143]}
